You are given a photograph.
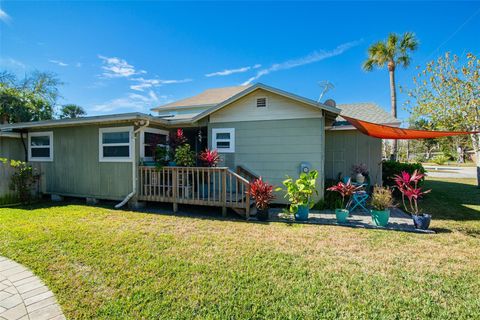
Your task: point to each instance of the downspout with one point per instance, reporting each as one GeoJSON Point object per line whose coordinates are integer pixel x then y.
{"type": "Point", "coordinates": [134, 167]}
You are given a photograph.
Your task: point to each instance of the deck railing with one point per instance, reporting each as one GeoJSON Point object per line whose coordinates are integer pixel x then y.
{"type": "Point", "coordinates": [194, 185]}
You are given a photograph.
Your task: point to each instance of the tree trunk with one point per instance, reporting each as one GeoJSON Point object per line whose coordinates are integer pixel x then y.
{"type": "Point", "coordinates": [476, 148]}
{"type": "Point", "coordinates": [393, 100]}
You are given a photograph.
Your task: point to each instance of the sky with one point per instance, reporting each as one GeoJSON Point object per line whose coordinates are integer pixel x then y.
{"type": "Point", "coordinates": [119, 56]}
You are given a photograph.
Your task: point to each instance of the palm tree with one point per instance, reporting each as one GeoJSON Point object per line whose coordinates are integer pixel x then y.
{"type": "Point", "coordinates": [394, 51]}
{"type": "Point", "coordinates": [71, 111]}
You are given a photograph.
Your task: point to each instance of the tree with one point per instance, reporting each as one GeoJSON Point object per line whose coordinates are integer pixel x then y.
{"type": "Point", "coordinates": [447, 93]}
{"type": "Point", "coordinates": [30, 99]}
{"type": "Point", "coordinates": [393, 52]}
{"type": "Point", "coordinates": [71, 111]}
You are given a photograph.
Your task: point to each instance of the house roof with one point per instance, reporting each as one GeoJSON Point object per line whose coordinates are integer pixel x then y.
{"type": "Point", "coordinates": [224, 97]}
{"type": "Point", "coordinates": [370, 112]}
{"type": "Point", "coordinates": [207, 98]}
{"type": "Point", "coordinates": [122, 117]}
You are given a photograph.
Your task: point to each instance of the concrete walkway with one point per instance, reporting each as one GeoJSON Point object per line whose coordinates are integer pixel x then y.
{"type": "Point", "coordinates": [24, 296]}
{"type": "Point", "coordinates": [451, 172]}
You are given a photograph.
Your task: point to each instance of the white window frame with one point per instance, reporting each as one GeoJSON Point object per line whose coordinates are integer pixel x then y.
{"type": "Point", "coordinates": [101, 131]}
{"type": "Point", "coordinates": [50, 146]}
{"type": "Point", "coordinates": [142, 141]}
{"type": "Point", "coordinates": [231, 140]}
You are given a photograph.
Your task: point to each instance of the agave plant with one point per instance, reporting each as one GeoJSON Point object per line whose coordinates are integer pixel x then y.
{"type": "Point", "coordinates": [209, 158]}
{"type": "Point", "coordinates": [408, 185]}
{"type": "Point", "coordinates": [262, 193]}
{"type": "Point", "coordinates": [346, 190]}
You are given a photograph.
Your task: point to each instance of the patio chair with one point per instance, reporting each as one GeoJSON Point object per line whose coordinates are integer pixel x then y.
{"type": "Point", "coordinates": [359, 199]}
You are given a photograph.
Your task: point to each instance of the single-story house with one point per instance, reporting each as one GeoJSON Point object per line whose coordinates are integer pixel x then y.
{"type": "Point", "coordinates": [258, 130]}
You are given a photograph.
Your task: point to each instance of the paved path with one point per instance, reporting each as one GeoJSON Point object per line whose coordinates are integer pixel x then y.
{"type": "Point", "coordinates": [23, 296]}
{"type": "Point", "coordinates": [399, 221]}
{"type": "Point", "coordinates": [451, 172]}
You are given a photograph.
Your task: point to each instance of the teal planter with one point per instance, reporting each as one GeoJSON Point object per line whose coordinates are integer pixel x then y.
{"type": "Point", "coordinates": [380, 218]}
{"type": "Point", "coordinates": [342, 215]}
{"type": "Point", "coordinates": [302, 213]}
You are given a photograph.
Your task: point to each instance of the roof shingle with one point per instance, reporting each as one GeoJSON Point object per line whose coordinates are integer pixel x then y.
{"type": "Point", "coordinates": [370, 112]}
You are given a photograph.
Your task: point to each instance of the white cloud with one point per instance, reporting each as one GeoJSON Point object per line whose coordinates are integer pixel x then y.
{"type": "Point", "coordinates": [78, 64]}
{"type": "Point", "coordinates": [227, 72]}
{"type": "Point", "coordinates": [118, 68]}
{"type": "Point", "coordinates": [59, 63]}
{"type": "Point", "coordinates": [150, 83]}
{"type": "Point", "coordinates": [5, 17]}
{"type": "Point", "coordinates": [12, 63]}
{"type": "Point", "coordinates": [132, 102]}
{"type": "Point", "coordinates": [310, 58]}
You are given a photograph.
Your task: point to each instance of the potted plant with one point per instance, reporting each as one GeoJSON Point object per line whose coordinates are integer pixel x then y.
{"type": "Point", "coordinates": [300, 193]}
{"type": "Point", "coordinates": [408, 185]}
{"type": "Point", "coordinates": [381, 203]}
{"type": "Point", "coordinates": [176, 140]}
{"type": "Point", "coordinates": [184, 156]}
{"type": "Point", "coordinates": [346, 190]}
{"type": "Point", "coordinates": [359, 171]}
{"type": "Point", "coordinates": [209, 158]}
{"type": "Point", "coordinates": [262, 194]}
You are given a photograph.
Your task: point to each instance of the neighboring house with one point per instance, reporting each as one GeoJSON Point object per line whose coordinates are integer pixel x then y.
{"type": "Point", "coordinates": [258, 129]}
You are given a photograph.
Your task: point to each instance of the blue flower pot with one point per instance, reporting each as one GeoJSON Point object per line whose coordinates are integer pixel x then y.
{"type": "Point", "coordinates": [341, 215]}
{"type": "Point", "coordinates": [422, 222]}
{"type": "Point", "coordinates": [380, 217]}
{"type": "Point", "coordinates": [302, 213]}
{"type": "Point", "coordinates": [172, 164]}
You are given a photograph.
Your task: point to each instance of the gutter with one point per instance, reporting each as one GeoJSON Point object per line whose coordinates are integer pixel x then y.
{"type": "Point", "coordinates": [134, 167]}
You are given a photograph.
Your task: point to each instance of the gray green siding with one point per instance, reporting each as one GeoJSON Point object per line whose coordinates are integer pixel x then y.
{"type": "Point", "coordinates": [76, 170]}
{"type": "Point", "coordinates": [12, 148]}
{"type": "Point", "coordinates": [344, 148]}
{"type": "Point", "coordinates": [275, 148]}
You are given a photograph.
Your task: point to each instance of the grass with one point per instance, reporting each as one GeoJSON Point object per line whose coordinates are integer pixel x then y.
{"type": "Point", "coordinates": [108, 264]}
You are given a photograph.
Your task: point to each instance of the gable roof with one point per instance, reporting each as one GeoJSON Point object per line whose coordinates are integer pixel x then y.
{"type": "Point", "coordinates": [209, 97]}
{"type": "Point", "coordinates": [226, 96]}
{"type": "Point", "coordinates": [370, 112]}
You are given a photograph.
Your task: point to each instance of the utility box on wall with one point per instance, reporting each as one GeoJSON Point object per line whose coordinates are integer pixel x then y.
{"type": "Point", "coordinates": [305, 167]}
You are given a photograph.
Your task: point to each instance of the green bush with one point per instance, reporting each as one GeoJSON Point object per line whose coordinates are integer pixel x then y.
{"type": "Point", "coordinates": [391, 168]}
{"type": "Point", "coordinates": [440, 159]}
{"type": "Point", "coordinates": [184, 157]}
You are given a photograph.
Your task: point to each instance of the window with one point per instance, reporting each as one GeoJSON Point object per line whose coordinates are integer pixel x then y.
{"type": "Point", "coordinates": [261, 102]}
{"type": "Point", "coordinates": [115, 144]}
{"type": "Point", "coordinates": [40, 146]}
{"type": "Point", "coordinates": [151, 139]}
{"type": "Point", "coordinates": [223, 140]}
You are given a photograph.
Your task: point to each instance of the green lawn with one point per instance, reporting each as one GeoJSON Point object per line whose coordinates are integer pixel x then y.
{"type": "Point", "coordinates": [109, 264]}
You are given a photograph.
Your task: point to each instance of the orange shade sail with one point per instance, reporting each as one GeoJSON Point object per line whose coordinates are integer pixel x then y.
{"type": "Point", "coordinates": [386, 132]}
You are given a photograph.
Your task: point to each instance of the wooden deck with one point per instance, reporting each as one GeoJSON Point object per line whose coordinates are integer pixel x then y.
{"type": "Point", "coordinates": [218, 187]}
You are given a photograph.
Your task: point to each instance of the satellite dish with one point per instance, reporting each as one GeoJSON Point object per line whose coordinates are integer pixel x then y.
{"type": "Point", "coordinates": [330, 103]}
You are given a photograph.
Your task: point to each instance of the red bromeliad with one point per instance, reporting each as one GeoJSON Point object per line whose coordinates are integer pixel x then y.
{"type": "Point", "coordinates": [209, 157]}
{"type": "Point", "coordinates": [345, 189]}
{"type": "Point", "coordinates": [408, 185]}
{"type": "Point", "coordinates": [262, 193]}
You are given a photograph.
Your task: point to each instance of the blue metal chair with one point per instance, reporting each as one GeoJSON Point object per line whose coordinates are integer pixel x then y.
{"type": "Point", "coordinates": [359, 199]}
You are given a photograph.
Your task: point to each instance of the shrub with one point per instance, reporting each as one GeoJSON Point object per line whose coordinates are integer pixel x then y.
{"type": "Point", "coordinates": [392, 168]}
{"type": "Point", "coordinates": [22, 180]}
{"type": "Point", "coordinates": [382, 198]}
{"type": "Point", "coordinates": [262, 193]}
{"type": "Point", "coordinates": [300, 192]}
{"type": "Point", "coordinates": [440, 159]}
{"type": "Point", "coordinates": [184, 156]}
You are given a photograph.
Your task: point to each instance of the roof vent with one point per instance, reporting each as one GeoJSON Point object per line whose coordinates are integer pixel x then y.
{"type": "Point", "coordinates": [261, 102]}
{"type": "Point", "coordinates": [330, 103]}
